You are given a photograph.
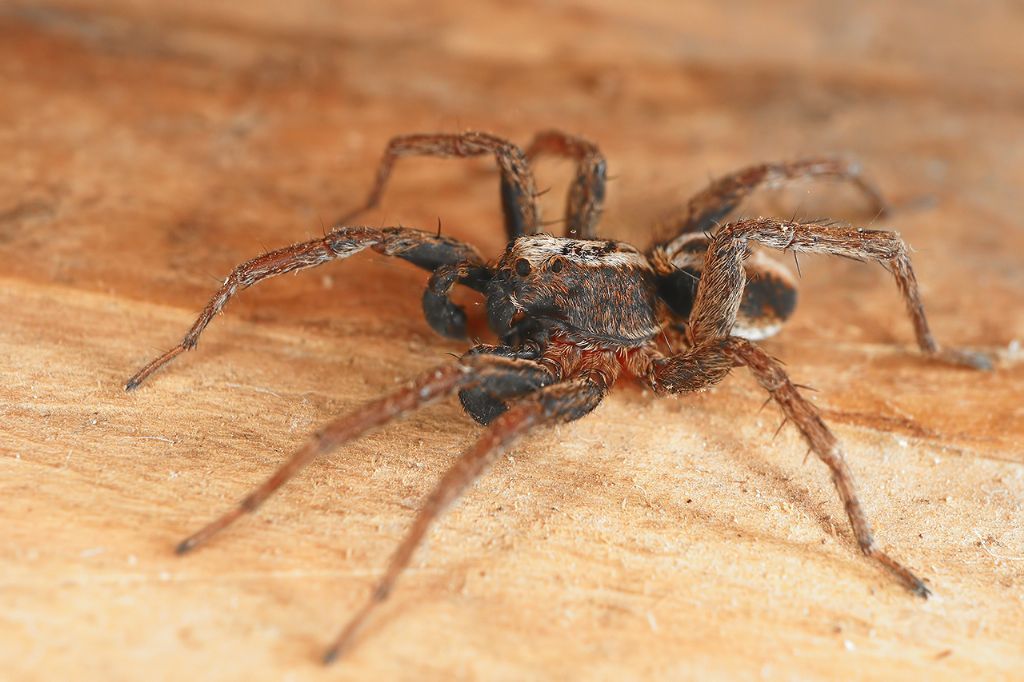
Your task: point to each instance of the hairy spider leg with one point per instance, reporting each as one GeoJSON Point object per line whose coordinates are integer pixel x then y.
{"type": "Point", "coordinates": [561, 402]}
{"type": "Point", "coordinates": [426, 250]}
{"type": "Point", "coordinates": [472, 369]}
{"type": "Point", "coordinates": [714, 314]}
{"type": "Point", "coordinates": [585, 200]}
{"type": "Point", "coordinates": [706, 208]}
{"type": "Point", "coordinates": [799, 411]}
{"type": "Point", "coordinates": [721, 284]}
{"type": "Point", "coordinates": [422, 391]}
{"type": "Point", "coordinates": [518, 188]}
{"type": "Point", "coordinates": [769, 293]}
{"type": "Point", "coordinates": [709, 362]}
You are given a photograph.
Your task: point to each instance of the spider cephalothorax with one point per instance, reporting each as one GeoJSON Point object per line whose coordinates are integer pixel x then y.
{"type": "Point", "coordinates": [590, 292]}
{"type": "Point", "coordinates": [573, 313]}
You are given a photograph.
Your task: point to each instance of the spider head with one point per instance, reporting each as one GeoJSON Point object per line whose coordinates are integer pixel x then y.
{"type": "Point", "coordinates": [521, 297]}
{"type": "Point", "coordinates": [587, 290]}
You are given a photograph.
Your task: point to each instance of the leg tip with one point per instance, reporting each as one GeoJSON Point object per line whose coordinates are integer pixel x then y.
{"type": "Point", "coordinates": [185, 546]}
{"type": "Point", "coordinates": [921, 590]}
{"type": "Point", "coordinates": [981, 362]}
{"type": "Point", "coordinates": [131, 385]}
{"type": "Point", "coordinates": [331, 655]}
{"type": "Point", "coordinates": [967, 358]}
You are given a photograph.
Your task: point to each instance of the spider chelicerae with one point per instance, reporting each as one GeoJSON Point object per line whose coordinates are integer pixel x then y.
{"type": "Point", "coordinates": [573, 314]}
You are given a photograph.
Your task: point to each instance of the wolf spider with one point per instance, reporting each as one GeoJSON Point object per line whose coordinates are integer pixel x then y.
{"type": "Point", "coordinates": [574, 313]}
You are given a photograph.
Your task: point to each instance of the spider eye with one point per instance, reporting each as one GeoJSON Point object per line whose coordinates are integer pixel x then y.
{"type": "Point", "coordinates": [556, 264]}
{"type": "Point", "coordinates": [522, 267]}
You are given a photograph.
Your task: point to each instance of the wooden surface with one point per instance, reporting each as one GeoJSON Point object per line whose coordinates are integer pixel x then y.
{"type": "Point", "coordinates": [148, 147]}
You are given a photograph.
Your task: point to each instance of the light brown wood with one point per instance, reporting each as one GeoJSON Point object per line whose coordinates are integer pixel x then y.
{"type": "Point", "coordinates": [149, 147]}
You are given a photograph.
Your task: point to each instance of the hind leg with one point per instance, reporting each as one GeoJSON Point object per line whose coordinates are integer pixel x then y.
{"type": "Point", "coordinates": [705, 209]}
{"type": "Point", "coordinates": [554, 404]}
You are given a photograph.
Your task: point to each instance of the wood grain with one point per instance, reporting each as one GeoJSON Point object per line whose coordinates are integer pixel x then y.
{"type": "Point", "coordinates": [149, 147]}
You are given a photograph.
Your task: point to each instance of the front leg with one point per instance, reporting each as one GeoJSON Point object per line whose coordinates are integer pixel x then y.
{"type": "Point", "coordinates": [426, 250]}
{"type": "Point", "coordinates": [772, 377]}
{"type": "Point", "coordinates": [559, 403]}
{"type": "Point", "coordinates": [474, 368]}
{"type": "Point", "coordinates": [708, 363]}
{"type": "Point", "coordinates": [720, 290]}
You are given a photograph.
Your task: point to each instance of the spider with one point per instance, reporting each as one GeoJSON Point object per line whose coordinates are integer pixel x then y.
{"type": "Point", "coordinates": [574, 313]}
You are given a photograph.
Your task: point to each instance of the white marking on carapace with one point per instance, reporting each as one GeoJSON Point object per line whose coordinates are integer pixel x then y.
{"type": "Point", "coordinates": [540, 248]}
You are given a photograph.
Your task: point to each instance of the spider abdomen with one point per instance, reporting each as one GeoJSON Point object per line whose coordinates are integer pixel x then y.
{"type": "Point", "coordinates": [769, 294]}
